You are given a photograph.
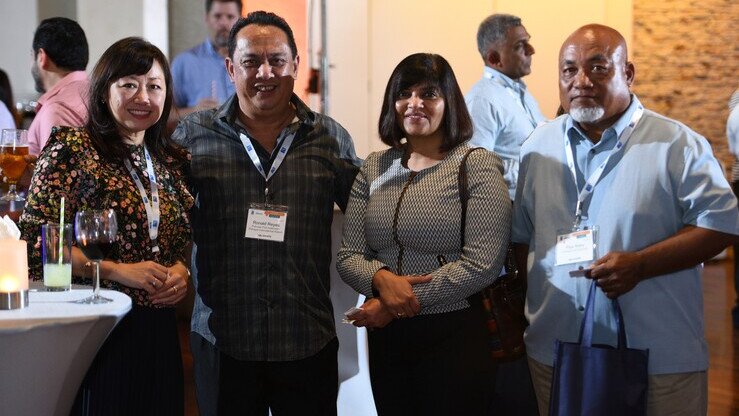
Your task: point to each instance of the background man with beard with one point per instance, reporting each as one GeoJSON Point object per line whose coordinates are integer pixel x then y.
{"type": "Point", "coordinates": [661, 204]}
{"type": "Point", "coordinates": [60, 57]}
{"type": "Point", "coordinates": [199, 74]}
{"type": "Point", "coordinates": [201, 82]}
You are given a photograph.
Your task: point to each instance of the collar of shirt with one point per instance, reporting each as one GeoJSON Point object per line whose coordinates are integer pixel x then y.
{"type": "Point", "coordinates": [75, 76]}
{"type": "Point", "coordinates": [211, 50]}
{"type": "Point", "coordinates": [494, 74]}
{"type": "Point", "coordinates": [610, 135]}
{"type": "Point", "coordinates": [228, 111]}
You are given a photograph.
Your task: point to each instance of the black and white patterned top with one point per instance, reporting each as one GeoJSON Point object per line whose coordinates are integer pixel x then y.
{"type": "Point", "coordinates": [428, 224]}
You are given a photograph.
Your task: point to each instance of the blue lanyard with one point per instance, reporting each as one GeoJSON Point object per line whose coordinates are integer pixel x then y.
{"type": "Point", "coordinates": [587, 190]}
{"type": "Point", "coordinates": [152, 207]}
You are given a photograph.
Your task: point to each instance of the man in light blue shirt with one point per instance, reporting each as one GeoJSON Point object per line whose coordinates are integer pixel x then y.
{"type": "Point", "coordinates": [199, 76]}
{"type": "Point", "coordinates": [504, 113]}
{"type": "Point", "coordinates": [502, 109]}
{"type": "Point", "coordinates": [662, 206]}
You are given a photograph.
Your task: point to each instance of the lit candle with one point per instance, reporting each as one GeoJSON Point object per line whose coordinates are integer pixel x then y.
{"type": "Point", "coordinates": [13, 266]}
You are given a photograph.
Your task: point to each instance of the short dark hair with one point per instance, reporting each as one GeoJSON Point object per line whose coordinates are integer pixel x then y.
{"type": "Point", "coordinates": [64, 42]}
{"type": "Point", "coordinates": [261, 18]}
{"type": "Point", "coordinates": [433, 70]}
{"type": "Point", "coordinates": [6, 92]}
{"type": "Point", "coordinates": [128, 56]}
{"type": "Point", "coordinates": [209, 4]}
{"type": "Point", "coordinates": [493, 30]}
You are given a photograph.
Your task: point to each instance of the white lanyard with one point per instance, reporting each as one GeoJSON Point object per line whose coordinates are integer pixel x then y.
{"type": "Point", "coordinates": [595, 176]}
{"type": "Point", "coordinates": [278, 160]}
{"type": "Point", "coordinates": [152, 208]}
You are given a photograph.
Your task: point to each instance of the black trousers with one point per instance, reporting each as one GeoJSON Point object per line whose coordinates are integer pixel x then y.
{"type": "Point", "coordinates": [303, 387]}
{"type": "Point", "coordinates": [138, 370]}
{"type": "Point", "coordinates": [432, 365]}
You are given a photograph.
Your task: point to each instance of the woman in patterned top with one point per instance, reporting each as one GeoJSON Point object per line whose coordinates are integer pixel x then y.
{"type": "Point", "coordinates": [405, 250]}
{"type": "Point", "coordinates": [139, 369]}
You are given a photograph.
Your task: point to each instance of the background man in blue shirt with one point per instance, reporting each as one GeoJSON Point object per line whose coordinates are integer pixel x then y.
{"type": "Point", "coordinates": [662, 206]}
{"type": "Point", "coordinates": [503, 110]}
{"type": "Point", "coordinates": [200, 82]}
{"type": "Point", "coordinates": [199, 74]}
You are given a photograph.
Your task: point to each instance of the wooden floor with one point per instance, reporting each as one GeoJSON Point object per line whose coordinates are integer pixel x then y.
{"type": "Point", "coordinates": [723, 344]}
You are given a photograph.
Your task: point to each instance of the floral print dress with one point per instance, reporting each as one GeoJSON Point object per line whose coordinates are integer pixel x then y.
{"type": "Point", "coordinates": [70, 167]}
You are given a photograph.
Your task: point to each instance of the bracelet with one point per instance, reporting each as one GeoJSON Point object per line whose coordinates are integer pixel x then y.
{"type": "Point", "coordinates": [187, 269]}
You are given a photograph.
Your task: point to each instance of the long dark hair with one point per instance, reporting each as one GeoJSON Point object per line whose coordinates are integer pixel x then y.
{"type": "Point", "coordinates": [433, 70]}
{"type": "Point", "coordinates": [129, 56]}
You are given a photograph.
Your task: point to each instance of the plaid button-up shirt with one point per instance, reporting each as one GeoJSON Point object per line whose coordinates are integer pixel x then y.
{"type": "Point", "coordinates": [269, 300]}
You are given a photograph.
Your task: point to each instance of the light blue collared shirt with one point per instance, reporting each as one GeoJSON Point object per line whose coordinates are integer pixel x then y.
{"type": "Point", "coordinates": [665, 178]}
{"type": "Point", "coordinates": [195, 71]}
{"type": "Point", "coordinates": [504, 114]}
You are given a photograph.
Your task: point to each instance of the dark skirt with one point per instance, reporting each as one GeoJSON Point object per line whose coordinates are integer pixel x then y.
{"type": "Point", "coordinates": [138, 370]}
{"type": "Point", "coordinates": [432, 365]}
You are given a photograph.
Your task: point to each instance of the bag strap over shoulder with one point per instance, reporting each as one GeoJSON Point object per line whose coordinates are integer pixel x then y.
{"type": "Point", "coordinates": [464, 192]}
{"type": "Point", "coordinates": [464, 196]}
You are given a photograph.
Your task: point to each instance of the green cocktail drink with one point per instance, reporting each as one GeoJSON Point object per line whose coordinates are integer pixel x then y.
{"type": "Point", "coordinates": [57, 276]}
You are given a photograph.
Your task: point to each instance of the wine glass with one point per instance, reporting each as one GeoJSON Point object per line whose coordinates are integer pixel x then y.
{"type": "Point", "coordinates": [13, 152]}
{"type": "Point", "coordinates": [95, 232]}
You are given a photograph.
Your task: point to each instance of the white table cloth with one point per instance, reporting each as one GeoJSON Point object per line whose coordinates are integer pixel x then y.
{"type": "Point", "coordinates": [46, 349]}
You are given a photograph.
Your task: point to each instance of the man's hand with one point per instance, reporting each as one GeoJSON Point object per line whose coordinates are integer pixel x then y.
{"type": "Point", "coordinates": [617, 272]}
{"type": "Point", "coordinates": [374, 314]}
{"type": "Point", "coordinates": [397, 292]}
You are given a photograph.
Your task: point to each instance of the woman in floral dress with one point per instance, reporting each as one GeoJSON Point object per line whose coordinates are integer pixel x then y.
{"type": "Point", "coordinates": [104, 165]}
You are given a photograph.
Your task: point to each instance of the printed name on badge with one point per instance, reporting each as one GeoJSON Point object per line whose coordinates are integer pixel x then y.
{"type": "Point", "coordinates": [575, 247]}
{"type": "Point", "coordinates": [264, 224]}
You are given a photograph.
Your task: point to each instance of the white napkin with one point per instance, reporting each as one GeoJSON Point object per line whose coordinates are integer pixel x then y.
{"type": "Point", "coordinates": [8, 229]}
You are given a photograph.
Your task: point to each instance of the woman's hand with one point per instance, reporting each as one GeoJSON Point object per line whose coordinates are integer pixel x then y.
{"type": "Point", "coordinates": [174, 288]}
{"type": "Point", "coordinates": [396, 292]}
{"type": "Point", "coordinates": [374, 314]}
{"type": "Point", "coordinates": [146, 275]}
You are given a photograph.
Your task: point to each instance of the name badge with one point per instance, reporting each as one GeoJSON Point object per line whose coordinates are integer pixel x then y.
{"type": "Point", "coordinates": [574, 247]}
{"type": "Point", "coordinates": [266, 222]}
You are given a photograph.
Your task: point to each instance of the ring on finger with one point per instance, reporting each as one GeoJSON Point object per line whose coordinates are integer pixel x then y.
{"type": "Point", "coordinates": [174, 288]}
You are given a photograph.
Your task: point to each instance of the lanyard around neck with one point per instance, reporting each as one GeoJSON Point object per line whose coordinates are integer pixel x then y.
{"type": "Point", "coordinates": [284, 147]}
{"type": "Point", "coordinates": [587, 190]}
{"type": "Point", "coordinates": [152, 206]}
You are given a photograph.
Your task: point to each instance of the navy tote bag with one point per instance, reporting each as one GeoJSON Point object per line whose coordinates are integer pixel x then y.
{"type": "Point", "coordinates": [598, 379]}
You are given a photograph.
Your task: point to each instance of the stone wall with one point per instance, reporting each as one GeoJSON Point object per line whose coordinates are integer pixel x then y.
{"type": "Point", "coordinates": [686, 54]}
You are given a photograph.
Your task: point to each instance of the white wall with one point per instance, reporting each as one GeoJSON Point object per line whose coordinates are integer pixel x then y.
{"type": "Point", "coordinates": [104, 22]}
{"type": "Point", "coordinates": [18, 20]}
{"type": "Point", "coordinates": [367, 38]}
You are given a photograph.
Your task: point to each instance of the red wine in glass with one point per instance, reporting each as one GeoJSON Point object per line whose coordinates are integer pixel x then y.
{"type": "Point", "coordinates": [96, 232]}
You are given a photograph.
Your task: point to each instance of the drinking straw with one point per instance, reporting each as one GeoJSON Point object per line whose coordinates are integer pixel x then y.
{"type": "Point", "coordinates": [61, 232]}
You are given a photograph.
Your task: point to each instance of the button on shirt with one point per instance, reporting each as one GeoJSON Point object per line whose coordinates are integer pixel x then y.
{"type": "Point", "coordinates": [665, 178]}
{"type": "Point", "coordinates": [195, 72]}
{"type": "Point", "coordinates": [270, 300]}
{"type": "Point", "coordinates": [504, 114]}
{"type": "Point", "coordinates": [63, 105]}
